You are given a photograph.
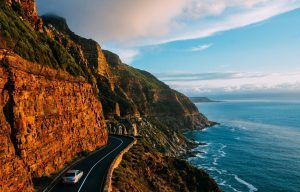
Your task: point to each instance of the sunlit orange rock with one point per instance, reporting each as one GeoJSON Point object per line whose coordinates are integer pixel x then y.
{"type": "Point", "coordinates": [47, 117]}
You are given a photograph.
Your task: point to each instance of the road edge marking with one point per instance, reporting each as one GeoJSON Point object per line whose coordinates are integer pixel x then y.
{"type": "Point", "coordinates": [69, 167]}
{"type": "Point", "coordinates": [99, 162]}
{"type": "Point", "coordinates": [115, 164]}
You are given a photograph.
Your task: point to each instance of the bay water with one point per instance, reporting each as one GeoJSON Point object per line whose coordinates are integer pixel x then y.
{"type": "Point", "coordinates": [256, 147]}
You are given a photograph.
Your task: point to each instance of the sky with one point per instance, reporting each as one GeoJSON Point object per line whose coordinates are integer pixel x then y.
{"type": "Point", "coordinates": [198, 47]}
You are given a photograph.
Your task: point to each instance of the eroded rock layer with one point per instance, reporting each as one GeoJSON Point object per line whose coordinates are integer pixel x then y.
{"type": "Point", "coordinates": [14, 176]}
{"type": "Point", "coordinates": [47, 117]}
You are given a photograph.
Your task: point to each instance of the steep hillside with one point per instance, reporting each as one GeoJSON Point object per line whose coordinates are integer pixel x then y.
{"type": "Point", "coordinates": [152, 97]}
{"type": "Point", "coordinates": [61, 94]}
{"type": "Point", "coordinates": [47, 115]}
{"type": "Point", "coordinates": [124, 90]}
{"type": "Point", "coordinates": [34, 46]}
{"type": "Point", "coordinates": [88, 54]}
{"type": "Point", "coordinates": [153, 171]}
{"type": "Point", "coordinates": [164, 114]}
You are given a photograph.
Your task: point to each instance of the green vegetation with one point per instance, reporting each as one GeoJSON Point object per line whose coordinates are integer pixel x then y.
{"type": "Point", "coordinates": [126, 72]}
{"type": "Point", "coordinates": [145, 78]}
{"type": "Point", "coordinates": [142, 169]}
{"type": "Point", "coordinates": [17, 34]}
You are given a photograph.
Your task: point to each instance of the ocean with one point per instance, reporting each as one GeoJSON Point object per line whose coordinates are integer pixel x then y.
{"type": "Point", "coordinates": [256, 147]}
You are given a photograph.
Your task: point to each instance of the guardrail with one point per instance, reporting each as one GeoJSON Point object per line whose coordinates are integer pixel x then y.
{"type": "Point", "coordinates": [116, 163]}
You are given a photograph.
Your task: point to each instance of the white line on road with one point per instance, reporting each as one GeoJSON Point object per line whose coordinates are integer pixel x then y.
{"type": "Point", "coordinates": [99, 162]}
{"type": "Point", "coordinates": [62, 172]}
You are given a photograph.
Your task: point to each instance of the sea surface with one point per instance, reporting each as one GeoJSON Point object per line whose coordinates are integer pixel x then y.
{"type": "Point", "coordinates": [256, 147]}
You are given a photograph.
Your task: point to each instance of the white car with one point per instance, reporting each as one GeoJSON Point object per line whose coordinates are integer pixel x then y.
{"type": "Point", "coordinates": [72, 176]}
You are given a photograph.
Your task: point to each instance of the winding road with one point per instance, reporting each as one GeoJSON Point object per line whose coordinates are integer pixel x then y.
{"type": "Point", "coordinates": [95, 167]}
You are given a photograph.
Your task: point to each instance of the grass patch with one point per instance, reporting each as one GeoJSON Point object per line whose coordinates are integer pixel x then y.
{"type": "Point", "coordinates": [17, 34]}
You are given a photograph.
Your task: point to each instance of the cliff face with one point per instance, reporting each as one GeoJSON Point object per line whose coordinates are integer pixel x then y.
{"type": "Point", "coordinates": [134, 92]}
{"type": "Point", "coordinates": [14, 176]}
{"type": "Point", "coordinates": [48, 117]}
{"type": "Point", "coordinates": [53, 87]}
{"type": "Point", "coordinates": [152, 97]}
{"type": "Point", "coordinates": [88, 54]}
{"type": "Point", "coordinates": [147, 106]}
{"type": "Point", "coordinates": [27, 9]}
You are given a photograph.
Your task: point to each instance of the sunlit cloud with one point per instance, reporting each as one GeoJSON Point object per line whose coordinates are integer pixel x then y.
{"type": "Point", "coordinates": [135, 21]}
{"type": "Point", "coordinates": [127, 55]}
{"type": "Point", "coordinates": [206, 28]}
{"type": "Point", "coordinates": [231, 82]}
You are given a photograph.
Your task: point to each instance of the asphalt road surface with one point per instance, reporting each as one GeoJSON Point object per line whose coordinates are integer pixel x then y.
{"type": "Point", "coordinates": [95, 167]}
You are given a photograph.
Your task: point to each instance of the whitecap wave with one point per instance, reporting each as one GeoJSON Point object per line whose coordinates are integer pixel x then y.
{"type": "Point", "coordinates": [200, 155]}
{"type": "Point", "coordinates": [249, 185]}
{"type": "Point", "coordinates": [276, 131]}
{"type": "Point", "coordinates": [222, 183]}
{"type": "Point", "coordinates": [220, 153]}
{"type": "Point", "coordinates": [234, 189]}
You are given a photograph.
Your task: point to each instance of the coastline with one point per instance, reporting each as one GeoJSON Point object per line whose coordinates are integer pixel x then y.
{"type": "Point", "coordinates": [193, 144]}
{"type": "Point", "coordinates": [160, 164]}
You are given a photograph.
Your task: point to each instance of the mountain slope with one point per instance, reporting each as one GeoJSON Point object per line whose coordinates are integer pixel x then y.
{"type": "Point", "coordinates": [58, 88]}
{"type": "Point", "coordinates": [154, 98]}
{"type": "Point", "coordinates": [47, 114]}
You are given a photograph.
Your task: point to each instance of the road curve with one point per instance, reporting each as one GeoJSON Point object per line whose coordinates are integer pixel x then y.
{"type": "Point", "coordinates": [95, 167]}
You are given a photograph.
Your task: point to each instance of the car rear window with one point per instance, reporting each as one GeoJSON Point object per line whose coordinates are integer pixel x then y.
{"type": "Point", "coordinates": [70, 175]}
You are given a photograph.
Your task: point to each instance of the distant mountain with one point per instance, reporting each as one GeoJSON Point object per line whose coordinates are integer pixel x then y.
{"type": "Point", "coordinates": [201, 100]}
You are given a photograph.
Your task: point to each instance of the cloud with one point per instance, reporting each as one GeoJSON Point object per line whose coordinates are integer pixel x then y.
{"type": "Point", "coordinates": [231, 82]}
{"type": "Point", "coordinates": [197, 9]}
{"type": "Point", "coordinates": [127, 55]}
{"type": "Point", "coordinates": [200, 47]}
{"type": "Point", "coordinates": [116, 20]}
{"type": "Point", "coordinates": [186, 77]}
{"type": "Point", "coordinates": [130, 24]}
{"type": "Point", "coordinates": [135, 22]}
{"type": "Point", "coordinates": [256, 12]}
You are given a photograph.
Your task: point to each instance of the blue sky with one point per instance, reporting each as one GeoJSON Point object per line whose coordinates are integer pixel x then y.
{"type": "Point", "coordinates": [197, 46]}
{"type": "Point", "coordinates": [269, 46]}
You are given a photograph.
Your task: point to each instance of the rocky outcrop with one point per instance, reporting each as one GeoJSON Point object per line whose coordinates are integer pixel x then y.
{"type": "Point", "coordinates": [48, 117]}
{"type": "Point", "coordinates": [123, 90]}
{"type": "Point", "coordinates": [89, 55]}
{"type": "Point", "coordinates": [13, 173]}
{"type": "Point", "coordinates": [158, 115]}
{"type": "Point", "coordinates": [151, 97]}
{"type": "Point", "coordinates": [27, 9]}
{"type": "Point", "coordinates": [91, 51]}
{"type": "Point", "coordinates": [143, 169]}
